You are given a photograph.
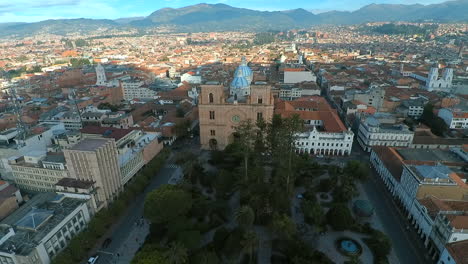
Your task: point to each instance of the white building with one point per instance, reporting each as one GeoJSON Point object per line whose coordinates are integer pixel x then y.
{"type": "Point", "coordinates": [14, 144]}
{"type": "Point", "coordinates": [433, 81]}
{"type": "Point", "coordinates": [374, 133]}
{"type": "Point", "coordinates": [38, 231]}
{"type": "Point", "coordinates": [290, 93]}
{"type": "Point", "coordinates": [292, 77]}
{"type": "Point", "coordinates": [453, 118]}
{"type": "Point", "coordinates": [136, 89]}
{"type": "Point", "coordinates": [325, 143]}
{"type": "Point", "coordinates": [101, 79]}
{"type": "Point", "coordinates": [191, 77]}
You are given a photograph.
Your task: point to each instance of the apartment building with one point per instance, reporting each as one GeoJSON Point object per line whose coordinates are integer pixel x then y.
{"type": "Point", "coordinates": [37, 171]}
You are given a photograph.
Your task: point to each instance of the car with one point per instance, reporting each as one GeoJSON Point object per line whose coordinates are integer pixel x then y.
{"type": "Point", "coordinates": [319, 156]}
{"type": "Point", "coordinates": [93, 260]}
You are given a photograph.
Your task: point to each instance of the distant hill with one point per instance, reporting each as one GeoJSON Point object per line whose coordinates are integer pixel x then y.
{"type": "Point", "coordinates": [221, 17]}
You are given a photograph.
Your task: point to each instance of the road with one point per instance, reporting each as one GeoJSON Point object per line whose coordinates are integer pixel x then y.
{"type": "Point", "coordinates": [406, 244]}
{"type": "Point", "coordinates": [127, 237]}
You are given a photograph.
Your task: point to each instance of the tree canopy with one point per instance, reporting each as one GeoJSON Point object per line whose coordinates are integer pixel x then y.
{"type": "Point", "coordinates": [167, 203]}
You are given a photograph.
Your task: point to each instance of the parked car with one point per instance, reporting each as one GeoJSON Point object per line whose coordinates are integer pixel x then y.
{"type": "Point", "coordinates": [92, 260]}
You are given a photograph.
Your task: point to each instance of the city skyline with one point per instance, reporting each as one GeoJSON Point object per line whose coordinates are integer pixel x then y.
{"type": "Point", "coordinates": [33, 10]}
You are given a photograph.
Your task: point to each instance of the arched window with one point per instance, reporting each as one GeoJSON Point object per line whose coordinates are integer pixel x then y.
{"type": "Point", "coordinates": [211, 98]}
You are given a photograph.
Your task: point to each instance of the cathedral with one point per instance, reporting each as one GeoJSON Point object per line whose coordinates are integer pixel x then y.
{"type": "Point", "coordinates": [433, 82]}
{"type": "Point", "coordinates": [221, 108]}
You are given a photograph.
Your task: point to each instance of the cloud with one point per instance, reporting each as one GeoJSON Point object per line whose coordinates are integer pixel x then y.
{"type": "Point", "coordinates": [24, 5]}
{"type": "Point", "coordinates": [56, 9]}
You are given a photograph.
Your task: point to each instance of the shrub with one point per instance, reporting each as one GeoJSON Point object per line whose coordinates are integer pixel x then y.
{"type": "Point", "coordinates": [219, 238]}
{"type": "Point", "coordinates": [325, 185]}
{"type": "Point", "coordinates": [380, 245]}
{"type": "Point", "coordinates": [339, 217]}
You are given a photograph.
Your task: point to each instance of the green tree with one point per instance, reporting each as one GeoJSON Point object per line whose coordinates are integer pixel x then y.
{"type": "Point", "coordinates": [245, 217]}
{"type": "Point", "coordinates": [150, 254]}
{"type": "Point", "coordinates": [167, 203]}
{"type": "Point", "coordinates": [177, 253]}
{"type": "Point", "coordinates": [357, 170]}
{"type": "Point", "coordinates": [250, 244]}
{"type": "Point", "coordinates": [283, 226]}
{"type": "Point", "coordinates": [437, 124]}
{"type": "Point", "coordinates": [339, 217]}
{"type": "Point", "coordinates": [313, 212]}
{"type": "Point", "coordinates": [246, 133]}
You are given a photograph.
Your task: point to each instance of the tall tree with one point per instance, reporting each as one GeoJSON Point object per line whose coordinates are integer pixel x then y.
{"type": "Point", "coordinates": [288, 131]}
{"type": "Point", "coordinates": [250, 244]}
{"type": "Point", "coordinates": [247, 133]}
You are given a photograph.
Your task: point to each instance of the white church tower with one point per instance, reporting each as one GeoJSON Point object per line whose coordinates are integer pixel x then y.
{"type": "Point", "coordinates": [101, 79]}
{"type": "Point", "coordinates": [433, 82]}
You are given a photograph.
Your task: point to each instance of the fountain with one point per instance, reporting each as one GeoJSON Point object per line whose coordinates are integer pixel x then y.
{"type": "Point", "coordinates": [348, 247]}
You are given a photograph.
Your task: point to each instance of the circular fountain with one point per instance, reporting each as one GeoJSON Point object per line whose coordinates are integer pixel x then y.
{"type": "Point", "coordinates": [348, 247]}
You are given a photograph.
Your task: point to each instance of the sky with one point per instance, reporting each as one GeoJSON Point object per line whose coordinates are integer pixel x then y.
{"type": "Point", "coordinates": [37, 10]}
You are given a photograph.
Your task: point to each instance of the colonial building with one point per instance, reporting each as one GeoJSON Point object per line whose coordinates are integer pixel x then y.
{"type": "Point", "coordinates": [219, 114]}
{"type": "Point", "coordinates": [374, 131]}
{"type": "Point", "coordinates": [325, 133]}
{"type": "Point", "coordinates": [222, 109]}
{"type": "Point", "coordinates": [430, 185]}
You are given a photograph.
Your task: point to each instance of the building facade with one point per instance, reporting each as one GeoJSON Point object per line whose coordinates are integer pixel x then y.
{"type": "Point", "coordinates": [57, 219]}
{"type": "Point", "coordinates": [37, 172]}
{"type": "Point", "coordinates": [454, 119]}
{"type": "Point", "coordinates": [325, 143]}
{"type": "Point", "coordinates": [372, 132]}
{"type": "Point", "coordinates": [96, 160]}
{"type": "Point", "coordinates": [219, 114]}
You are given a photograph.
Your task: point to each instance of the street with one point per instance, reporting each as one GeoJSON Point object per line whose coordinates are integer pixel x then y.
{"type": "Point", "coordinates": [406, 244]}
{"type": "Point", "coordinates": [128, 235]}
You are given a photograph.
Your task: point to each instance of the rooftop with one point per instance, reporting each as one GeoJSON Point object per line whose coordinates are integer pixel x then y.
{"type": "Point", "coordinates": [75, 183]}
{"type": "Point", "coordinates": [458, 251]}
{"type": "Point", "coordinates": [34, 220]}
{"type": "Point", "coordinates": [90, 144]}
{"type": "Point", "coordinates": [438, 155]}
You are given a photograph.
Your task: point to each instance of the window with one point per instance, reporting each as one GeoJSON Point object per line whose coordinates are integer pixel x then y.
{"type": "Point", "coordinates": [211, 98]}
{"type": "Point", "coordinates": [259, 115]}
{"type": "Point", "coordinates": [260, 100]}
{"type": "Point", "coordinates": [212, 115]}
{"type": "Point", "coordinates": [213, 132]}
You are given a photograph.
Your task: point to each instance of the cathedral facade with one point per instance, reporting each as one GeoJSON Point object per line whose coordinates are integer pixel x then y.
{"type": "Point", "coordinates": [220, 113]}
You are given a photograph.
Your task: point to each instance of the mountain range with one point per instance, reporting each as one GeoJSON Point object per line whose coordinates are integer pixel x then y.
{"type": "Point", "coordinates": [221, 17]}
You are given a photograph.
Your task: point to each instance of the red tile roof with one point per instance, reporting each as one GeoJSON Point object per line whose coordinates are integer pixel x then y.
{"type": "Point", "coordinates": [391, 159]}
{"type": "Point", "coordinates": [458, 251]}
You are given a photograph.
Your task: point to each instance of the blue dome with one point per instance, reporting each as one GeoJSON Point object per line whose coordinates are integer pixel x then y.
{"type": "Point", "coordinates": [239, 82]}
{"type": "Point", "coordinates": [245, 70]}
